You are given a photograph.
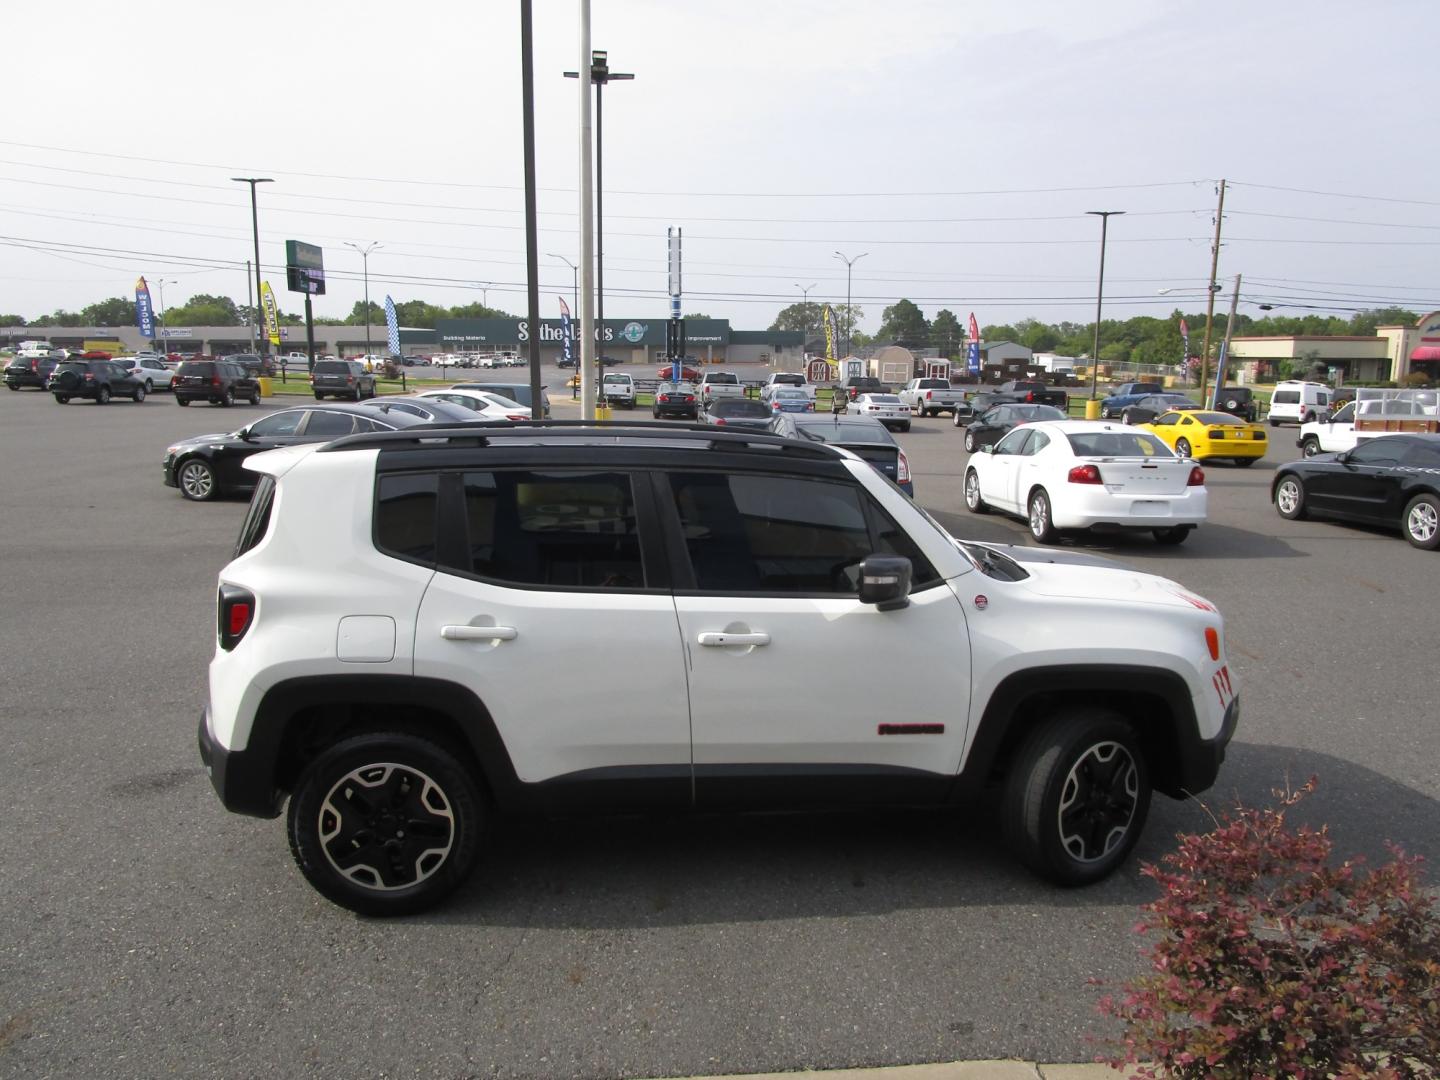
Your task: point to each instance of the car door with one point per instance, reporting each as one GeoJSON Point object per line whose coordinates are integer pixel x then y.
{"type": "Point", "coordinates": [1026, 467]}
{"type": "Point", "coordinates": [794, 691]}
{"type": "Point", "coordinates": [1002, 475]}
{"type": "Point", "coordinates": [553, 606]}
{"type": "Point", "coordinates": [278, 429]}
{"type": "Point", "coordinates": [1362, 485]}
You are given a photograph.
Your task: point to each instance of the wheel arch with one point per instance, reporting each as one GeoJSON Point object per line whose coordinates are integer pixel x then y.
{"type": "Point", "coordinates": [1155, 702]}
{"type": "Point", "coordinates": [299, 718]}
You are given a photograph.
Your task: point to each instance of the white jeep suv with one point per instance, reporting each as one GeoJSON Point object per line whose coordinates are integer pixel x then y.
{"type": "Point", "coordinates": [414, 626]}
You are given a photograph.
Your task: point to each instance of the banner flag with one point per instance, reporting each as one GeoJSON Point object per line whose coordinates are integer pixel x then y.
{"type": "Point", "coordinates": [972, 351]}
{"type": "Point", "coordinates": [567, 332]}
{"type": "Point", "coordinates": [144, 313]}
{"type": "Point", "coordinates": [271, 311]}
{"type": "Point", "coordinates": [830, 333]}
{"type": "Point", "coordinates": [392, 327]}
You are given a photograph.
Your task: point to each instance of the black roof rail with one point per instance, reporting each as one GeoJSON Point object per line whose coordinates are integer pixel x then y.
{"type": "Point", "coordinates": [705, 436]}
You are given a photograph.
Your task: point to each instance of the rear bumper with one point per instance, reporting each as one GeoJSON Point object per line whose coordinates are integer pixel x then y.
{"type": "Point", "coordinates": [1085, 510]}
{"type": "Point", "coordinates": [236, 777]}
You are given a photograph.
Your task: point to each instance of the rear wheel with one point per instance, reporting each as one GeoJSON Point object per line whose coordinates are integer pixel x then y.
{"type": "Point", "coordinates": [385, 824]}
{"type": "Point", "coordinates": [228, 398]}
{"type": "Point", "coordinates": [974, 502]}
{"type": "Point", "coordinates": [1290, 498]}
{"type": "Point", "coordinates": [1076, 796]}
{"type": "Point", "coordinates": [1172, 536]}
{"type": "Point", "coordinates": [255, 397]}
{"type": "Point", "coordinates": [102, 396]}
{"type": "Point", "coordinates": [1422, 522]}
{"type": "Point", "coordinates": [62, 399]}
{"type": "Point", "coordinates": [1182, 447]}
{"type": "Point", "coordinates": [182, 401]}
{"type": "Point", "coordinates": [1127, 417]}
{"type": "Point", "coordinates": [1042, 525]}
{"type": "Point", "coordinates": [1245, 462]}
{"type": "Point", "coordinates": [139, 394]}
{"type": "Point", "coordinates": [149, 386]}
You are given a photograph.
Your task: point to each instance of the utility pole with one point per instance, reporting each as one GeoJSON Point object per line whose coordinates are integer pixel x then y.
{"type": "Point", "coordinates": [365, 261]}
{"type": "Point", "coordinates": [532, 244]}
{"type": "Point", "coordinates": [586, 359]}
{"type": "Point", "coordinates": [249, 303]}
{"type": "Point", "coordinates": [1104, 216]}
{"type": "Point", "coordinates": [1224, 357]}
{"type": "Point", "coordinates": [255, 225]}
{"type": "Point", "coordinates": [849, 314]}
{"type": "Point", "coordinates": [1210, 300]}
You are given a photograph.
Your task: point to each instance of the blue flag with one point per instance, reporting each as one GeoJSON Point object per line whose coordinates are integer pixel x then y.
{"type": "Point", "coordinates": [144, 313]}
{"type": "Point", "coordinates": [392, 327]}
{"type": "Point", "coordinates": [565, 335]}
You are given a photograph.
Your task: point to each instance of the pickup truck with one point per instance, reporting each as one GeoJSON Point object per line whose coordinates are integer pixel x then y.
{"type": "Point", "coordinates": [1381, 412]}
{"type": "Point", "coordinates": [1029, 392]}
{"type": "Point", "coordinates": [1126, 394]}
{"type": "Point", "coordinates": [619, 389]}
{"type": "Point", "coordinates": [930, 397]}
{"type": "Point", "coordinates": [791, 380]}
{"type": "Point", "coordinates": [714, 385]}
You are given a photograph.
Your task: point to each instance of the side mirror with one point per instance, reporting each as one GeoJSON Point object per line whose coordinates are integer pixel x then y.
{"type": "Point", "coordinates": [885, 581]}
{"type": "Point", "coordinates": [244, 433]}
{"type": "Point", "coordinates": [987, 448]}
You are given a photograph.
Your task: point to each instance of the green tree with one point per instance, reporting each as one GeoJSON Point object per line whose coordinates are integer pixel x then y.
{"type": "Point", "coordinates": [12, 320]}
{"type": "Point", "coordinates": [1364, 323]}
{"type": "Point", "coordinates": [904, 324]}
{"type": "Point", "coordinates": [1037, 336]}
{"type": "Point", "coordinates": [357, 314]}
{"type": "Point", "coordinates": [1001, 332]}
{"type": "Point", "coordinates": [420, 314]}
{"type": "Point", "coordinates": [946, 334]}
{"type": "Point", "coordinates": [696, 315]}
{"type": "Point", "coordinates": [205, 310]}
{"type": "Point", "coordinates": [804, 317]}
{"type": "Point", "coordinates": [117, 311]}
{"type": "Point", "coordinates": [61, 317]}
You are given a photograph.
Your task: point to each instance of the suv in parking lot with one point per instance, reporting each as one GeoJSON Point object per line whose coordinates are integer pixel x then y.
{"type": "Point", "coordinates": [219, 382]}
{"type": "Point", "coordinates": [392, 621]}
{"type": "Point", "coordinates": [98, 380]}
{"type": "Point", "coordinates": [342, 378]}
{"type": "Point", "coordinates": [31, 369]}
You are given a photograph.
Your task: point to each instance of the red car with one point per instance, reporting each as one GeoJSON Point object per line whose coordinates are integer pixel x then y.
{"type": "Point", "coordinates": [667, 372]}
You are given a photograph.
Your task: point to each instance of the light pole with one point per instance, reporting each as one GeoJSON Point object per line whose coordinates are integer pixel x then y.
{"type": "Point", "coordinates": [484, 287]}
{"type": "Point", "coordinates": [255, 224]}
{"type": "Point", "coordinates": [365, 262]}
{"type": "Point", "coordinates": [574, 280]}
{"type": "Point", "coordinates": [600, 74]}
{"type": "Point", "coordinates": [805, 307]}
{"type": "Point", "coordinates": [849, 315]}
{"type": "Point", "coordinates": [164, 326]}
{"type": "Point", "coordinates": [1104, 216]}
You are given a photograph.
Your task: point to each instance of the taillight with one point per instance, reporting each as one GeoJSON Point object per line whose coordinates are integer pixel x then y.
{"type": "Point", "coordinates": [719, 421]}
{"type": "Point", "coordinates": [775, 405]}
{"type": "Point", "coordinates": [1030, 396]}
{"type": "Point", "coordinates": [349, 379]}
{"type": "Point", "coordinates": [214, 380]}
{"type": "Point", "coordinates": [1084, 474]}
{"type": "Point", "coordinates": [516, 416]}
{"type": "Point", "coordinates": [1197, 477]}
{"type": "Point", "coordinates": [929, 395]}
{"type": "Point", "coordinates": [689, 399]}
{"type": "Point", "coordinates": [902, 468]}
{"type": "Point", "coordinates": [236, 613]}
{"type": "Point", "coordinates": [809, 406]}
{"type": "Point", "coordinates": [89, 377]}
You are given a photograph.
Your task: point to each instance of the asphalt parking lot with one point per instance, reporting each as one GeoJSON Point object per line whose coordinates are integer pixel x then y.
{"type": "Point", "coordinates": [144, 931]}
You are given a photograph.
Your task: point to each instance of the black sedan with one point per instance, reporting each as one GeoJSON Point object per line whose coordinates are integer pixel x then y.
{"type": "Point", "coordinates": [675, 399]}
{"type": "Point", "coordinates": [211, 465]}
{"type": "Point", "coordinates": [863, 436]}
{"type": "Point", "coordinates": [999, 420]}
{"type": "Point", "coordinates": [1152, 405]}
{"type": "Point", "coordinates": [1391, 480]}
{"type": "Point", "coordinates": [738, 413]}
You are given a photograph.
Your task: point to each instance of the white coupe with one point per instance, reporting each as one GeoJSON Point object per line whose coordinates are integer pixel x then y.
{"type": "Point", "coordinates": [1086, 474]}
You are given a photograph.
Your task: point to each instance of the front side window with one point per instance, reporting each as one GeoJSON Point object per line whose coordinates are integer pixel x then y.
{"type": "Point", "coordinates": [772, 534]}
{"type": "Point", "coordinates": [558, 530]}
{"type": "Point", "coordinates": [1375, 452]}
{"type": "Point", "coordinates": [1014, 442]}
{"type": "Point", "coordinates": [280, 423]}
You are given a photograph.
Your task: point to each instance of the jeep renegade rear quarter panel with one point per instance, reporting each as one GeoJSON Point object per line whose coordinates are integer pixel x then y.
{"type": "Point", "coordinates": [322, 590]}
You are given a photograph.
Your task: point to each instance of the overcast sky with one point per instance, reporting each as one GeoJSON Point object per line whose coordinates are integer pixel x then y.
{"type": "Point", "coordinates": [957, 145]}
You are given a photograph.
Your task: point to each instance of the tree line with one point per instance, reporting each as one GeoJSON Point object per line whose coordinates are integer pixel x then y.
{"type": "Point", "coordinates": [204, 309]}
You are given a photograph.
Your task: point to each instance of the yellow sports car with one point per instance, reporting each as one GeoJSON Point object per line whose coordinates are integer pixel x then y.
{"type": "Point", "coordinates": [1204, 435]}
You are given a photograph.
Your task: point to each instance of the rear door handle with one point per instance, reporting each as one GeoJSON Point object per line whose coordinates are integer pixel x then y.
{"type": "Point", "coordinates": [715, 637]}
{"type": "Point", "coordinates": [478, 633]}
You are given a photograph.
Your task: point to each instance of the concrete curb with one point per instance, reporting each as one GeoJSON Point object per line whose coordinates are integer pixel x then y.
{"type": "Point", "coordinates": [949, 1070]}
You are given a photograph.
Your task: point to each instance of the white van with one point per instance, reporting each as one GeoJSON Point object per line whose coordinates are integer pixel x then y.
{"type": "Point", "coordinates": [1299, 402]}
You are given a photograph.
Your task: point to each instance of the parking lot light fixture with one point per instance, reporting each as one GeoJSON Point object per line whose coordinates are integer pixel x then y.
{"type": "Point", "coordinates": [365, 262]}
{"type": "Point", "coordinates": [1104, 216]}
{"type": "Point", "coordinates": [255, 226]}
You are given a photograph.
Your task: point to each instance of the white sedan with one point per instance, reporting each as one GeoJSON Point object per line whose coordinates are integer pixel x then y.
{"type": "Point", "coordinates": [1086, 474]}
{"type": "Point", "coordinates": [887, 408]}
{"type": "Point", "coordinates": [490, 406]}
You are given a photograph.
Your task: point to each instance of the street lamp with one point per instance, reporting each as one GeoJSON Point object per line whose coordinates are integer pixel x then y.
{"type": "Point", "coordinates": [164, 324]}
{"type": "Point", "coordinates": [805, 304]}
{"type": "Point", "coordinates": [255, 224]}
{"type": "Point", "coordinates": [365, 262]}
{"type": "Point", "coordinates": [574, 283]}
{"type": "Point", "coordinates": [1104, 216]}
{"type": "Point", "coordinates": [600, 74]}
{"type": "Point", "coordinates": [484, 287]}
{"type": "Point", "coordinates": [849, 315]}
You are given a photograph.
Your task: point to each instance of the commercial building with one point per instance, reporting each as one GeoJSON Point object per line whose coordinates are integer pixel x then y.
{"type": "Point", "coordinates": [1389, 356]}
{"type": "Point", "coordinates": [216, 340]}
{"type": "Point", "coordinates": [630, 341]}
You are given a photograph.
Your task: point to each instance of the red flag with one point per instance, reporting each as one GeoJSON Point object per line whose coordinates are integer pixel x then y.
{"type": "Point", "coordinates": [1184, 330]}
{"type": "Point", "coordinates": [974, 328]}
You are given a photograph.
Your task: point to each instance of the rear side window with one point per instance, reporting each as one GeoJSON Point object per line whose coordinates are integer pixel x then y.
{"type": "Point", "coordinates": [329, 424]}
{"type": "Point", "coordinates": [405, 510]}
{"type": "Point", "coordinates": [554, 529]}
{"type": "Point", "coordinates": [332, 367]}
{"type": "Point", "coordinates": [257, 517]}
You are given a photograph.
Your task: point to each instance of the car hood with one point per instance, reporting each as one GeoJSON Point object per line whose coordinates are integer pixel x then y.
{"type": "Point", "coordinates": [1078, 575]}
{"type": "Point", "coordinates": [206, 440]}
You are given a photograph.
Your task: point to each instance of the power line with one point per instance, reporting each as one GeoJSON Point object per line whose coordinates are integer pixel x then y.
{"type": "Point", "coordinates": [1336, 194]}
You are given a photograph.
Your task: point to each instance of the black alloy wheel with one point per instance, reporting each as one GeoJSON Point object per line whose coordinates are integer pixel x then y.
{"type": "Point", "coordinates": [386, 823]}
{"type": "Point", "coordinates": [1077, 793]}
{"type": "Point", "coordinates": [228, 398]}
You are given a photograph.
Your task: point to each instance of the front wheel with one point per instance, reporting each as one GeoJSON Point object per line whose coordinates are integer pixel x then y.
{"type": "Point", "coordinates": [974, 502]}
{"type": "Point", "coordinates": [182, 401]}
{"type": "Point", "coordinates": [1042, 524]}
{"type": "Point", "coordinates": [970, 441]}
{"type": "Point", "coordinates": [1076, 796]}
{"type": "Point", "coordinates": [1127, 417]}
{"type": "Point", "coordinates": [1422, 522]}
{"type": "Point", "coordinates": [149, 386]}
{"type": "Point", "coordinates": [255, 397]}
{"type": "Point", "coordinates": [197, 480]}
{"type": "Point", "coordinates": [1290, 498]}
{"type": "Point", "coordinates": [102, 396]}
{"type": "Point", "coordinates": [1311, 446]}
{"type": "Point", "coordinates": [62, 399]}
{"type": "Point", "coordinates": [1172, 536]}
{"type": "Point", "coordinates": [385, 824]}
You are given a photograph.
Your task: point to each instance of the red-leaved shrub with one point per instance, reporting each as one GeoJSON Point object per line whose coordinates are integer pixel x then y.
{"type": "Point", "coordinates": [1271, 962]}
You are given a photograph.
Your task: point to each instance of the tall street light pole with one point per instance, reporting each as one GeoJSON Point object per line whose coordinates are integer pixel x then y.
{"type": "Point", "coordinates": [849, 315]}
{"type": "Point", "coordinates": [365, 262]}
{"type": "Point", "coordinates": [805, 306]}
{"type": "Point", "coordinates": [164, 311]}
{"type": "Point", "coordinates": [600, 74]}
{"type": "Point", "coordinates": [255, 225]}
{"type": "Point", "coordinates": [1104, 216]}
{"type": "Point", "coordinates": [574, 280]}
{"type": "Point", "coordinates": [484, 287]}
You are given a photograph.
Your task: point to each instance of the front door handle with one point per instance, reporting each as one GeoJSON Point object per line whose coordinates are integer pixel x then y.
{"type": "Point", "coordinates": [716, 637]}
{"type": "Point", "coordinates": [478, 633]}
